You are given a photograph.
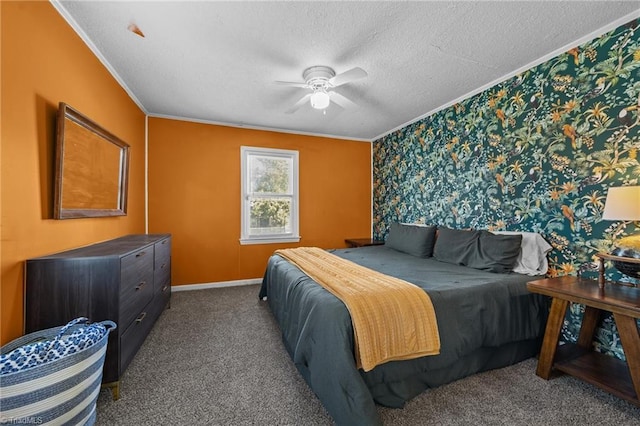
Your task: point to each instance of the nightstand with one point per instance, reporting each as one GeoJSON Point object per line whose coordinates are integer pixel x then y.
{"type": "Point", "coordinates": [578, 359]}
{"type": "Point", "coordinates": [362, 242]}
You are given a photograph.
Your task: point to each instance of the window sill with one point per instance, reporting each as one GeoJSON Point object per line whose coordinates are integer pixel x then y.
{"type": "Point", "coordinates": [269, 240]}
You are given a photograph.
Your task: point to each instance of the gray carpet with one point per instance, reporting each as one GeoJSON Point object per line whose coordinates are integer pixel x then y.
{"type": "Point", "coordinates": [216, 358]}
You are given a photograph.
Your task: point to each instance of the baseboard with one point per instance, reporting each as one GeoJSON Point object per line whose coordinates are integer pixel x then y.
{"type": "Point", "coordinates": [189, 287]}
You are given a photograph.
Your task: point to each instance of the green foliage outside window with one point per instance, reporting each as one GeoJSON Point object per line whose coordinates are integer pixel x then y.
{"type": "Point", "coordinates": [270, 176]}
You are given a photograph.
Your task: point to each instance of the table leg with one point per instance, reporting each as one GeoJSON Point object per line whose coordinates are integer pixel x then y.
{"type": "Point", "coordinates": [588, 327]}
{"type": "Point", "coordinates": [630, 339]}
{"type": "Point", "coordinates": [551, 337]}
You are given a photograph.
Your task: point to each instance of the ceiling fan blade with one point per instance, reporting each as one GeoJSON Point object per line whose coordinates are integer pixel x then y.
{"type": "Point", "coordinates": [341, 100]}
{"type": "Point", "coordinates": [298, 104]}
{"type": "Point", "coordinates": [347, 76]}
{"type": "Point", "coordinates": [292, 84]}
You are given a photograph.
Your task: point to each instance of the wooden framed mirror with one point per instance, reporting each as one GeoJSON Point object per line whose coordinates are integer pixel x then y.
{"type": "Point", "coordinates": [91, 168]}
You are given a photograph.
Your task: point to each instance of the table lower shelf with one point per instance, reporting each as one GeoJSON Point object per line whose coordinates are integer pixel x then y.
{"type": "Point", "coordinates": [606, 372]}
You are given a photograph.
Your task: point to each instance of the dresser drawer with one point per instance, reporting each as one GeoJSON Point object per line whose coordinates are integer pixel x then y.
{"type": "Point", "coordinates": [163, 295]}
{"type": "Point", "coordinates": [162, 266]}
{"type": "Point", "coordinates": [135, 334]}
{"type": "Point", "coordinates": [136, 284]}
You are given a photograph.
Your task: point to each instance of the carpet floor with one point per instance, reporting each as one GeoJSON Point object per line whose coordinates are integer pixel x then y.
{"type": "Point", "coordinates": [216, 358]}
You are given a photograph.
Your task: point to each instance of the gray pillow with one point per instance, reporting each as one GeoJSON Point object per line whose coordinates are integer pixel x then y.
{"type": "Point", "coordinates": [496, 253]}
{"type": "Point", "coordinates": [455, 245]}
{"type": "Point", "coordinates": [411, 239]}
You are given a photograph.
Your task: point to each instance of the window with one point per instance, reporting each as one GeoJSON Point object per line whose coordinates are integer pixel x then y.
{"type": "Point", "coordinates": [269, 196]}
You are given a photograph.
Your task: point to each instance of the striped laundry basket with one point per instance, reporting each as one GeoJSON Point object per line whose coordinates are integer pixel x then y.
{"type": "Point", "coordinates": [53, 376]}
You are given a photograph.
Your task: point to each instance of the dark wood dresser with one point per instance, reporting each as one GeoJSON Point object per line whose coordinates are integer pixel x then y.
{"type": "Point", "coordinates": [126, 280]}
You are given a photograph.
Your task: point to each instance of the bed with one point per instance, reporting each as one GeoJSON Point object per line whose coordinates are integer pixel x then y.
{"type": "Point", "coordinates": [486, 320]}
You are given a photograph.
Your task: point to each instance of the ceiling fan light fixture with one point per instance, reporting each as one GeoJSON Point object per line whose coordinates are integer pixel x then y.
{"type": "Point", "coordinates": [321, 80]}
{"type": "Point", "coordinates": [320, 99]}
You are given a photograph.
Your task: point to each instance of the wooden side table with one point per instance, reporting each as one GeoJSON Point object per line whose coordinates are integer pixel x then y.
{"type": "Point", "coordinates": [362, 242]}
{"type": "Point", "coordinates": [578, 359]}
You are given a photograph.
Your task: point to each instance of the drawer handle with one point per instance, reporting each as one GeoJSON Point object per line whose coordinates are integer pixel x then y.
{"type": "Point", "coordinates": [164, 241]}
{"type": "Point", "coordinates": [142, 253]}
{"type": "Point", "coordinates": [165, 288]}
{"type": "Point", "coordinates": [139, 286]}
{"type": "Point", "coordinates": [141, 317]}
{"type": "Point", "coordinates": [163, 265]}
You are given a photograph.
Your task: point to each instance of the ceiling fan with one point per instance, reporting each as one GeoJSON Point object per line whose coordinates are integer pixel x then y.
{"type": "Point", "coordinates": [320, 80]}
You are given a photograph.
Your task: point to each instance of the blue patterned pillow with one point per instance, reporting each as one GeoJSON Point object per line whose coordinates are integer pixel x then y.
{"type": "Point", "coordinates": [82, 336]}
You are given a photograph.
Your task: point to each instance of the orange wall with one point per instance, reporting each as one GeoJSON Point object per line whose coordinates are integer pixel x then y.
{"type": "Point", "coordinates": [44, 62]}
{"type": "Point", "coordinates": [194, 194]}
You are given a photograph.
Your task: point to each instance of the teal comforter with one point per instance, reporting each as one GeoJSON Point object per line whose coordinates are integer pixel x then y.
{"type": "Point", "coordinates": [485, 320]}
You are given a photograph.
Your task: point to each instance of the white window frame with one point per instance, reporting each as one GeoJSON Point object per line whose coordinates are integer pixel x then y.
{"type": "Point", "coordinates": [245, 197]}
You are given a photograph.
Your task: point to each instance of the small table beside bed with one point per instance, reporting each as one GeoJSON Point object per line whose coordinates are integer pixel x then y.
{"type": "Point", "coordinates": [486, 318]}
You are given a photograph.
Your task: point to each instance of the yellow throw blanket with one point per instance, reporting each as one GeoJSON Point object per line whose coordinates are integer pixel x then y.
{"type": "Point", "coordinates": [392, 319]}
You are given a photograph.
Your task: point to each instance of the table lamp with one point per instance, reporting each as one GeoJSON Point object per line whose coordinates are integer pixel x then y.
{"type": "Point", "coordinates": [623, 203]}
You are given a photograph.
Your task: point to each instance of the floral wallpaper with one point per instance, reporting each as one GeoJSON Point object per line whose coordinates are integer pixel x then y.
{"type": "Point", "coordinates": [536, 153]}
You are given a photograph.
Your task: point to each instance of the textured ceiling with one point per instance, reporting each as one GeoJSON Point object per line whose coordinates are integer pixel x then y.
{"type": "Point", "coordinates": [218, 61]}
